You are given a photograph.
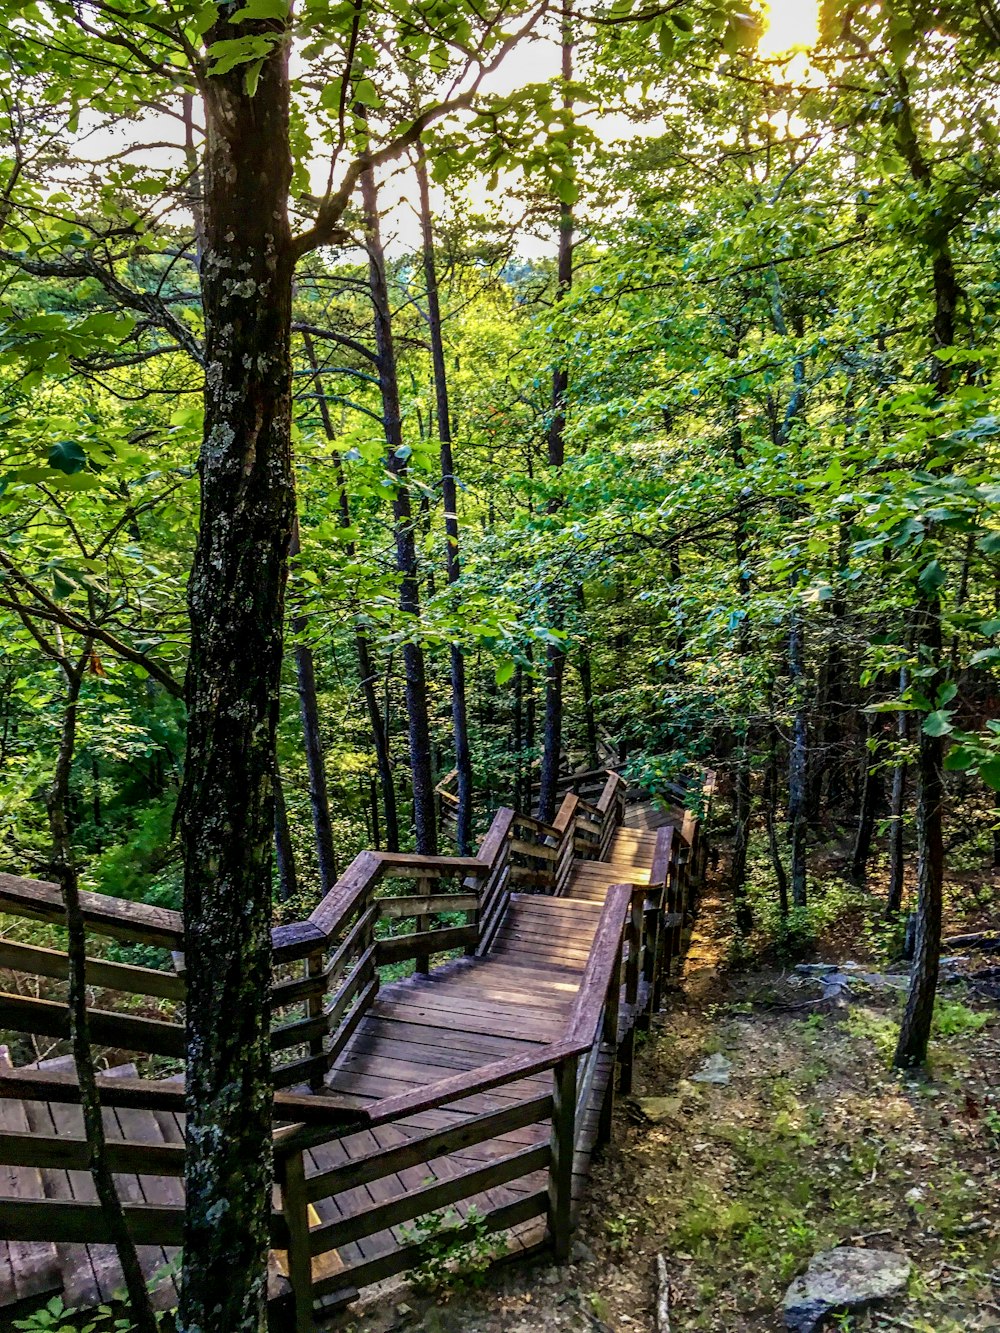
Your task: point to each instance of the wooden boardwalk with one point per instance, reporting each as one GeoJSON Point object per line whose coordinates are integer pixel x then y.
{"type": "Point", "coordinates": [471, 1092]}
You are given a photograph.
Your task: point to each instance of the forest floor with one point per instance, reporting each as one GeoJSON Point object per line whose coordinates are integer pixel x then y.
{"type": "Point", "coordinates": [813, 1142]}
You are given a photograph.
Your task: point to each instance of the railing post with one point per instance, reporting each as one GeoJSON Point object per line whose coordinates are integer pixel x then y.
{"type": "Point", "coordinates": [422, 961]}
{"type": "Point", "coordinates": [633, 936]}
{"type": "Point", "coordinates": [315, 1006]}
{"type": "Point", "coordinates": [563, 1150]}
{"type": "Point", "coordinates": [653, 929]}
{"type": "Point", "coordinates": [609, 1036]}
{"type": "Point", "coordinates": [296, 1210]}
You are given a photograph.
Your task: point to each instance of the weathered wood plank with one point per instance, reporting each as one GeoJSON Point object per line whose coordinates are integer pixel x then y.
{"type": "Point", "coordinates": [124, 977]}
{"type": "Point", "coordinates": [119, 918]}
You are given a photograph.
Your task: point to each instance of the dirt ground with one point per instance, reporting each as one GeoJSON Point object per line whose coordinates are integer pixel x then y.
{"type": "Point", "coordinates": [813, 1142]}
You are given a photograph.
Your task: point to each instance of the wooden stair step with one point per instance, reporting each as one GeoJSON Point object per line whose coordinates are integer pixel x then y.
{"type": "Point", "coordinates": [29, 1270]}
{"type": "Point", "coordinates": [91, 1273]}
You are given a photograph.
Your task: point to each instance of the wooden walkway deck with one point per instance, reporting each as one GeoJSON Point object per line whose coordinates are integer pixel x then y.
{"type": "Point", "coordinates": [479, 1085]}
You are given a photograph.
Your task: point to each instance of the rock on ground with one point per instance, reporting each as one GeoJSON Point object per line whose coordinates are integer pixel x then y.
{"type": "Point", "coordinates": [843, 1279]}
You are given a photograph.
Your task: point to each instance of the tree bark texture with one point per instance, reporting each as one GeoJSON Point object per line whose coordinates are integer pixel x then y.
{"type": "Point", "coordinates": [236, 602]}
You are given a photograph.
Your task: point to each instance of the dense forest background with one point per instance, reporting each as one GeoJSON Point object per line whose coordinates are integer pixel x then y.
{"type": "Point", "coordinates": [404, 407]}
{"type": "Point", "coordinates": [700, 473]}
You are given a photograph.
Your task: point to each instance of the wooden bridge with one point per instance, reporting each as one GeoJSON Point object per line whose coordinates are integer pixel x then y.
{"type": "Point", "coordinates": [446, 1032]}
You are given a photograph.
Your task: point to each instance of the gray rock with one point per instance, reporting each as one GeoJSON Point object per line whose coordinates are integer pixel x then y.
{"type": "Point", "coordinates": [658, 1110]}
{"type": "Point", "coordinates": [843, 1279]}
{"type": "Point", "coordinates": [716, 1069]}
{"type": "Point", "coordinates": [582, 1253]}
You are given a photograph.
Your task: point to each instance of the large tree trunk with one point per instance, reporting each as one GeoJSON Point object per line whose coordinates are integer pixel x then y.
{"type": "Point", "coordinates": [424, 813]}
{"type": "Point", "coordinates": [449, 494]}
{"type": "Point", "coordinates": [236, 599]}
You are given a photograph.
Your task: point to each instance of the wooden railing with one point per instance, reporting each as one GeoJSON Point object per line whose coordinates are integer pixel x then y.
{"type": "Point", "coordinates": [386, 910]}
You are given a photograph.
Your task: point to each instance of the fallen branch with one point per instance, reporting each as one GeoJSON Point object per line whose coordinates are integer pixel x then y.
{"type": "Point", "coordinates": [987, 941]}
{"type": "Point", "coordinates": [662, 1296]}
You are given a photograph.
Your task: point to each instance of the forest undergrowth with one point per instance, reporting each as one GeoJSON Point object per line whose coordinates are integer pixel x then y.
{"type": "Point", "coordinates": [813, 1142]}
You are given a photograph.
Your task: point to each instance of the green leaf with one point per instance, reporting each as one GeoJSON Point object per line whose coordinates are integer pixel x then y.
{"type": "Point", "coordinates": [62, 585]}
{"type": "Point", "coordinates": [261, 9]}
{"type": "Point", "coordinates": [932, 578]}
{"type": "Point", "coordinates": [960, 760]}
{"type": "Point", "coordinates": [938, 723]}
{"type": "Point", "coordinates": [252, 77]}
{"type": "Point", "coordinates": [504, 672]}
{"type": "Point", "coordinates": [946, 693]}
{"type": "Point", "coordinates": [68, 457]}
{"type": "Point", "coordinates": [990, 773]}
{"type": "Point", "coordinates": [78, 481]}
{"type": "Point", "coordinates": [366, 93]}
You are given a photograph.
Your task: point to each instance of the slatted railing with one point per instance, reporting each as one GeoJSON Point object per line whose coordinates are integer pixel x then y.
{"type": "Point", "coordinates": [386, 909]}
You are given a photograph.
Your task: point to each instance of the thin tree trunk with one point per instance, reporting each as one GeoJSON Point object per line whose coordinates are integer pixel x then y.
{"type": "Point", "coordinates": [744, 646]}
{"type": "Point", "coordinates": [449, 493]}
{"type": "Point", "coordinates": [530, 728]}
{"type": "Point", "coordinates": [871, 800]}
{"type": "Point", "coordinates": [319, 799]}
{"type": "Point", "coordinates": [915, 1031]}
{"type": "Point", "coordinates": [770, 819]}
{"type": "Point", "coordinates": [586, 685]}
{"type": "Point", "coordinates": [519, 764]}
{"type": "Point", "coordinates": [236, 601]}
{"type": "Point", "coordinates": [366, 669]}
{"type": "Point", "coordinates": [142, 1315]}
{"type": "Point", "coordinates": [798, 761]}
{"type": "Point", "coordinates": [380, 740]}
{"type": "Point", "coordinates": [551, 734]}
{"type": "Point", "coordinates": [288, 880]}
{"type": "Point", "coordinates": [555, 656]}
{"type": "Point", "coordinates": [424, 813]}
{"type": "Point", "coordinates": [741, 841]}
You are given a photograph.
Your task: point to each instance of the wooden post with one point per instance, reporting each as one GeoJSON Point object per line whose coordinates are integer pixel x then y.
{"type": "Point", "coordinates": [652, 960]}
{"type": "Point", "coordinates": [609, 1035]}
{"type": "Point", "coordinates": [561, 1166]}
{"type": "Point", "coordinates": [633, 936]}
{"type": "Point", "coordinates": [422, 961]}
{"type": "Point", "coordinates": [315, 1006]}
{"type": "Point", "coordinates": [474, 918]}
{"type": "Point", "coordinates": [296, 1211]}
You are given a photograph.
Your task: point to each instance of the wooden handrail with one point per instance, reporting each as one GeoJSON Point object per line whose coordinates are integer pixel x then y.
{"type": "Point", "coordinates": [604, 954]}
{"type": "Point", "coordinates": [145, 1094]}
{"type": "Point", "coordinates": [118, 917]}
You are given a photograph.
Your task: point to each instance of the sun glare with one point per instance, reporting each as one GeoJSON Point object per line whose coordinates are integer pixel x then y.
{"type": "Point", "coordinates": [790, 23]}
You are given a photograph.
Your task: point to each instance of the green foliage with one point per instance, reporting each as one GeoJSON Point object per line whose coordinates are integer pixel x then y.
{"type": "Point", "coordinates": [454, 1252]}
